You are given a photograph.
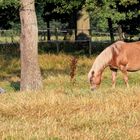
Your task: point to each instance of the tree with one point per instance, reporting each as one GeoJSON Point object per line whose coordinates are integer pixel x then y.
{"type": "Point", "coordinates": [9, 14]}
{"type": "Point", "coordinates": [30, 71]}
{"type": "Point", "coordinates": [83, 22]}
{"type": "Point", "coordinates": [115, 12]}
{"type": "Point", "coordinates": [48, 15]}
{"type": "Point", "coordinates": [62, 11]}
{"type": "Point", "coordinates": [131, 24]}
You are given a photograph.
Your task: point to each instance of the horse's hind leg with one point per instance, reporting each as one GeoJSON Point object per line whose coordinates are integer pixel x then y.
{"type": "Point", "coordinates": [126, 78]}
{"type": "Point", "coordinates": [114, 74]}
{"type": "Point", "coordinates": [124, 71]}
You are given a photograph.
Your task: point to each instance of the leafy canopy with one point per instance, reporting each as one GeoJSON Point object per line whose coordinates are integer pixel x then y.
{"type": "Point", "coordinates": [116, 10]}
{"type": "Point", "coordinates": [6, 3]}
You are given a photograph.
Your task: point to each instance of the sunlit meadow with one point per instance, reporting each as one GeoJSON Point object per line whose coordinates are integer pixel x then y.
{"type": "Point", "coordinates": [66, 109]}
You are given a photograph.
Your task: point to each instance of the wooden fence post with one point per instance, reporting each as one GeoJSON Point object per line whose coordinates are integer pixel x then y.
{"type": "Point", "coordinates": [90, 41]}
{"type": "Point", "coordinates": [56, 37]}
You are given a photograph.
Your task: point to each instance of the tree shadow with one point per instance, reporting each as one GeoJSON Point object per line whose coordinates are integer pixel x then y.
{"type": "Point", "coordinates": [15, 85]}
{"type": "Point", "coordinates": [55, 72]}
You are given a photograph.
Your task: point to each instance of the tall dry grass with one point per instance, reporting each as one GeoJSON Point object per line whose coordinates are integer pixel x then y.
{"type": "Point", "coordinates": [66, 111]}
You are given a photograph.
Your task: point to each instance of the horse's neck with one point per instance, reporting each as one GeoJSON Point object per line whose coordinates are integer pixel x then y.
{"type": "Point", "coordinates": [103, 60]}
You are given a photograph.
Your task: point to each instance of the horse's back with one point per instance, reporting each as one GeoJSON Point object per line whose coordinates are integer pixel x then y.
{"type": "Point", "coordinates": [132, 50]}
{"type": "Point", "coordinates": [126, 55]}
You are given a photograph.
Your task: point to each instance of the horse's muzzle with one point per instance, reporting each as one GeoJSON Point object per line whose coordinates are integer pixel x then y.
{"type": "Point", "coordinates": [93, 88]}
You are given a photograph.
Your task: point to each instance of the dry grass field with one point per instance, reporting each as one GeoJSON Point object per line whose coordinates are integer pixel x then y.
{"type": "Point", "coordinates": [65, 109]}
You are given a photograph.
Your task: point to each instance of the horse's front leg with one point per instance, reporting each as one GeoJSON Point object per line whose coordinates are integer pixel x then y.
{"type": "Point", "coordinates": [114, 74]}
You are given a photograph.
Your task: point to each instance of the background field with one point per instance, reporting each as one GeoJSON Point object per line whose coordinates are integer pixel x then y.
{"type": "Point", "coordinates": [65, 109]}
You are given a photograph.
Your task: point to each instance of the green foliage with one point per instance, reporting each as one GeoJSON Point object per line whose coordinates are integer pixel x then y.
{"type": "Point", "coordinates": [62, 6]}
{"type": "Point", "coordinates": [128, 2]}
{"type": "Point", "coordinates": [9, 13]}
{"type": "Point", "coordinates": [63, 11]}
{"type": "Point", "coordinates": [120, 10]}
{"type": "Point", "coordinates": [104, 10]}
{"type": "Point", "coordinates": [7, 3]}
{"type": "Point", "coordinates": [65, 7]}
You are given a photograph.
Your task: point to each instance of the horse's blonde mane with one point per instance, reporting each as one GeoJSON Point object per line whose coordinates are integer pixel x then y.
{"type": "Point", "coordinates": [117, 46]}
{"type": "Point", "coordinates": [102, 60]}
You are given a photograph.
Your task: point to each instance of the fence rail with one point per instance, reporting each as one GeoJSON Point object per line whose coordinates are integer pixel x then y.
{"type": "Point", "coordinates": [10, 36]}
{"type": "Point", "coordinates": [60, 36]}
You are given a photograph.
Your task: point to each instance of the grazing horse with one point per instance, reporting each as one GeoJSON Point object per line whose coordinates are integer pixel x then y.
{"type": "Point", "coordinates": [118, 56]}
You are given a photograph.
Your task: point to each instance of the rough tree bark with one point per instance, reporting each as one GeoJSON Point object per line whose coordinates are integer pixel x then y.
{"type": "Point", "coordinates": [31, 79]}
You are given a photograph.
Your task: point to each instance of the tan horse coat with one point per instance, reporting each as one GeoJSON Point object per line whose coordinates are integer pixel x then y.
{"type": "Point", "coordinates": [126, 56]}
{"type": "Point", "coordinates": [118, 56]}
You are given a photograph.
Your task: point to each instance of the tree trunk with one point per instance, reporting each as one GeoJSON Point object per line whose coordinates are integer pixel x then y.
{"type": "Point", "coordinates": [110, 29]}
{"type": "Point", "coordinates": [48, 30]}
{"type": "Point", "coordinates": [83, 22]}
{"type": "Point", "coordinates": [31, 79]}
{"type": "Point", "coordinates": [120, 32]}
{"type": "Point", "coordinates": [72, 26]}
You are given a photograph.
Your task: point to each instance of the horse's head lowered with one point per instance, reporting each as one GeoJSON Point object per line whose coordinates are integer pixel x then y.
{"type": "Point", "coordinates": [94, 79]}
{"type": "Point", "coordinates": [100, 63]}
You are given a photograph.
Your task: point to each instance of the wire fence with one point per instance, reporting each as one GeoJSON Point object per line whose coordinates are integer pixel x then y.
{"type": "Point", "coordinates": [12, 36]}
{"type": "Point", "coordinates": [58, 39]}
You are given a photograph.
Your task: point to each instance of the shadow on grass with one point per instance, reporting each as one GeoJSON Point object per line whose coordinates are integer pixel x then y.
{"type": "Point", "coordinates": [55, 72]}
{"type": "Point", "coordinates": [15, 85]}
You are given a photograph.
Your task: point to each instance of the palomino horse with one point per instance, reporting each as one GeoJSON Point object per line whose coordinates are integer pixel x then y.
{"type": "Point", "coordinates": [118, 56]}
